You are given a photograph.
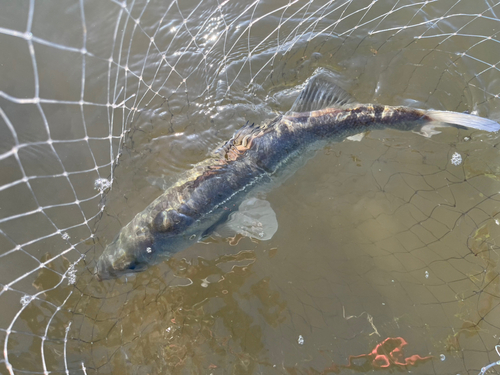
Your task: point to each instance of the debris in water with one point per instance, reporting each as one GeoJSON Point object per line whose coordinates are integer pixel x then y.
{"type": "Point", "coordinates": [102, 184]}
{"type": "Point", "coordinates": [71, 274]}
{"type": "Point", "coordinates": [26, 299]}
{"type": "Point", "coordinates": [386, 355]}
{"type": "Point", "coordinates": [300, 340]}
{"type": "Point", "coordinates": [456, 159]}
{"type": "Point", "coordinates": [426, 274]}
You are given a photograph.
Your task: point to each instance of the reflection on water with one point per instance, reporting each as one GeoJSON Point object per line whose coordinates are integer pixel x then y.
{"type": "Point", "coordinates": [386, 254]}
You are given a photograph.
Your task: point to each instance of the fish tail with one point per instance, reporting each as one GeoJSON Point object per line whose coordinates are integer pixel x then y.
{"type": "Point", "coordinates": [463, 119]}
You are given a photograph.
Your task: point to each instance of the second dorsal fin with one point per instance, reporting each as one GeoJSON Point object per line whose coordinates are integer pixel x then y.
{"type": "Point", "coordinates": [321, 92]}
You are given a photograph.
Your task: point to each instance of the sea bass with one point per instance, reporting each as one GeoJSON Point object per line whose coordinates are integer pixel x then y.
{"type": "Point", "coordinates": [205, 196]}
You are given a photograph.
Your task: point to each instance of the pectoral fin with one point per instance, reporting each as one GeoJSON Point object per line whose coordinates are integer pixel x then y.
{"type": "Point", "coordinates": [255, 218]}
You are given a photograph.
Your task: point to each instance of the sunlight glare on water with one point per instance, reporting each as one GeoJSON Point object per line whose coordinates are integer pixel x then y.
{"type": "Point", "coordinates": [385, 255]}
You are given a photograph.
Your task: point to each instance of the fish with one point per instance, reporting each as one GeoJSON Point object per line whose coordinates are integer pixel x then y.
{"type": "Point", "coordinates": [204, 197]}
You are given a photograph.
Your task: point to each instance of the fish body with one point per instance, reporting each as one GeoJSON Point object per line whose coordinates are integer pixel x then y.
{"type": "Point", "coordinates": [256, 156]}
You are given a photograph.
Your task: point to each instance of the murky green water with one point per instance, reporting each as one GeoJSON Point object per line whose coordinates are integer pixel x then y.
{"type": "Point", "coordinates": [381, 242]}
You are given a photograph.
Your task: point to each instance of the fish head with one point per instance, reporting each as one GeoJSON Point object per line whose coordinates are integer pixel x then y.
{"type": "Point", "coordinates": [146, 240]}
{"type": "Point", "coordinates": [125, 255]}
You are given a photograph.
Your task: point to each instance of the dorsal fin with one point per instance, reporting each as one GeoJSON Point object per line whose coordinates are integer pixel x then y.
{"type": "Point", "coordinates": [321, 92]}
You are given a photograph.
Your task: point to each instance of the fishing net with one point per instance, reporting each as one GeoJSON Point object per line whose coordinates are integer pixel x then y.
{"type": "Point", "coordinates": [386, 256]}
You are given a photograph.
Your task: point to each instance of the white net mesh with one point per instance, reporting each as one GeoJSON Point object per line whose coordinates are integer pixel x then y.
{"type": "Point", "coordinates": [394, 237]}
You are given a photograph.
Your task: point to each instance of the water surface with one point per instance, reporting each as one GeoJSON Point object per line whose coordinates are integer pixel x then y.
{"type": "Point", "coordinates": [381, 242]}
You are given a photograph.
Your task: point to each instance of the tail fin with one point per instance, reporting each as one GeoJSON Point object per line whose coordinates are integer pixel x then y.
{"type": "Point", "coordinates": [464, 119]}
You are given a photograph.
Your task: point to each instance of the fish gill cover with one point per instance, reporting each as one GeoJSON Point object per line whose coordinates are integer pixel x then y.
{"type": "Point", "coordinates": [386, 256]}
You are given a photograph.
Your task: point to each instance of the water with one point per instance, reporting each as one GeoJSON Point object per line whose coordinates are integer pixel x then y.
{"type": "Point", "coordinates": [381, 242]}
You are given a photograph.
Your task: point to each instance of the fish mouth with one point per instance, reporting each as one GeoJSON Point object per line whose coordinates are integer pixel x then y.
{"type": "Point", "coordinates": [114, 261]}
{"type": "Point", "coordinates": [105, 269]}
